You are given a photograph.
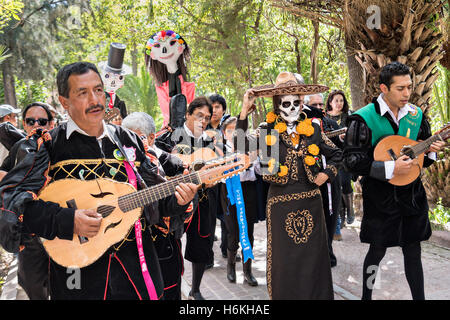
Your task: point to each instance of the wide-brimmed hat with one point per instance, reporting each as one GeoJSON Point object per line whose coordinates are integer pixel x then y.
{"type": "Point", "coordinates": [115, 60]}
{"type": "Point", "coordinates": [285, 84]}
{"type": "Point", "coordinates": [6, 109]}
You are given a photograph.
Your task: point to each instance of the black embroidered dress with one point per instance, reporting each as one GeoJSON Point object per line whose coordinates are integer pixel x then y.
{"type": "Point", "coordinates": [298, 264]}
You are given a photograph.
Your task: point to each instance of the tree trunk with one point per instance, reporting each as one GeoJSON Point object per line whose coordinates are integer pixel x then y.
{"type": "Point", "coordinates": [9, 83]}
{"type": "Point", "coordinates": [134, 62]}
{"type": "Point", "coordinates": [356, 75]}
{"type": "Point", "coordinates": [314, 48]}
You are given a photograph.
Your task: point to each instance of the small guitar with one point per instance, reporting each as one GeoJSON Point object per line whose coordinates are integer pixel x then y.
{"type": "Point", "coordinates": [392, 147]}
{"type": "Point", "coordinates": [120, 206]}
{"type": "Point", "coordinates": [198, 157]}
{"type": "Point", "coordinates": [334, 133]}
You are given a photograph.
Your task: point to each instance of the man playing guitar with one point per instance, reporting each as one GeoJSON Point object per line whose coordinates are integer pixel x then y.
{"type": "Point", "coordinates": [87, 148]}
{"type": "Point", "coordinates": [393, 215]}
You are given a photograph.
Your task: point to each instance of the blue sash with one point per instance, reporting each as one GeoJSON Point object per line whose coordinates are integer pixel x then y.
{"type": "Point", "coordinates": [236, 197]}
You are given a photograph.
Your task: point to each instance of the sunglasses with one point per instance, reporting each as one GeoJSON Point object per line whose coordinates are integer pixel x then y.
{"type": "Point", "coordinates": [317, 104]}
{"type": "Point", "coordinates": [287, 104]}
{"type": "Point", "coordinates": [40, 121]}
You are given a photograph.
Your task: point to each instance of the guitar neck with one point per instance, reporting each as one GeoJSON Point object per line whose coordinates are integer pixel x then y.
{"type": "Point", "coordinates": [152, 194]}
{"type": "Point", "coordinates": [423, 146]}
{"type": "Point", "coordinates": [335, 133]}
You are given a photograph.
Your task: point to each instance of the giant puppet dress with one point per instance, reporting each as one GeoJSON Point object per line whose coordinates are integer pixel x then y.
{"type": "Point", "coordinates": [298, 263]}
{"type": "Point", "coordinates": [166, 56]}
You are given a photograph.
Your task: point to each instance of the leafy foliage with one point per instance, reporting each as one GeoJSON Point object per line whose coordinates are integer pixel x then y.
{"type": "Point", "coordinates": [10, 10]}
{"type": "Point", "coordinates": [139, 94]}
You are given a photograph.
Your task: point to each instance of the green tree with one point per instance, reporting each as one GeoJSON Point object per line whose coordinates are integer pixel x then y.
{"type": "Point", "coordinates": [9, 10]}
{"type": "Point", "coordinates": [139, 94]}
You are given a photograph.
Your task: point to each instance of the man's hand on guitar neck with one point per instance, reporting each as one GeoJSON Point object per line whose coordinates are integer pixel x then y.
{"type": "Point", "coordinates": [185, 192]}
{"type": "Point", "coordinates": [436, 146]}
{"type": "Point", "coordinates": [86, 222]}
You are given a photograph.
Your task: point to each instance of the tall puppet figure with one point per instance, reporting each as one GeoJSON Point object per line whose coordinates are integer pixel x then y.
{"type": "Point", "coordinates": [113, 74]}
{"type": "Point", "coordinates": [166, 57]}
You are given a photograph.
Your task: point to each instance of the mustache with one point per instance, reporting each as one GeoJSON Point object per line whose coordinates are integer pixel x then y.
{"type": "Point", "coordinates": [102, 107]}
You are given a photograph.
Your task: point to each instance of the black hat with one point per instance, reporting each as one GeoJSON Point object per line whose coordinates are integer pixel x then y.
{"type": "Point", "coordinates": [115, 60]}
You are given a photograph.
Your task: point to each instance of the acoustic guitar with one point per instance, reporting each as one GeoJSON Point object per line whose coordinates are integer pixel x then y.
{"type": "Point", "coordinates": [120, 206]}
{"type": "Point", "coordinates": [392, 147]}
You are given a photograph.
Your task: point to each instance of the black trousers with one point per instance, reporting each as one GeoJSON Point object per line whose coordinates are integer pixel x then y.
{"type": "Point", "coordinates": [168, 249]}
{"type": "Point", "coordinates": [230, 219]}
{"type": "Point", "coordinates": [331, 220]}
{"type": "Point", "coordinates": [32, 271]}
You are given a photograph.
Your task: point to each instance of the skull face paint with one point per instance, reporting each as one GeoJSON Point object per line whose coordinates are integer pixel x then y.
{"type": "Point", "coordinates": [113, 81]}
{"type": "Point", "coordinates": [166, 47]}
{"type": "Point", "coordinates": [290, 107]}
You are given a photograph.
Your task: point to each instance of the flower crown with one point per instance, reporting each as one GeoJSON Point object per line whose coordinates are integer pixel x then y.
{"type": "Point", "coordinates": [162, 35]}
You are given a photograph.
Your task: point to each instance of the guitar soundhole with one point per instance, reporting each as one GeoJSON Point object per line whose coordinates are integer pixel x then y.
{"type": "Point", "coordinates": [112, 225]}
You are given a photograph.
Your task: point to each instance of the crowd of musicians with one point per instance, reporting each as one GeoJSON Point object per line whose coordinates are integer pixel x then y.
{"type": "Point", "coordinates": [299, 182]}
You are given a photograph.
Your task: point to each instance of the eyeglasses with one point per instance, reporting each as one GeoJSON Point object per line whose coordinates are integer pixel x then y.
{"type": "Point", "coordinates": [316, 105]}
{"type": "Point", "coordinates": [40, 121]}
{"type": "Point", "coordinates": [287, 104]}
{"type": "Point", "coordinates": [201, 117]}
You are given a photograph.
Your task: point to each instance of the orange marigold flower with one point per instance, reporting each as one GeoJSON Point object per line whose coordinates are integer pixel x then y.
{"type": "Point", "coordinates": [271, 117]}
{"type": "Point", "coordinates": [283, 171]}
{"type": "Point", "coordinates": [280, 127]}
{"type": "Point", "coordinates": [309, 131]}
{"type": "Point", "coordinates": [309, 160]}
{"type": "Point", "coordinates": [270, 140]}
{"type": "Point", "coordinates": [271, 165]}
{"type": "Point", "coordinates": [313, 149]}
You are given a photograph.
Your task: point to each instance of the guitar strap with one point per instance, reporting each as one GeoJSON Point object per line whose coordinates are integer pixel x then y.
{"type": "Point", "coordinates": [113, 135]}
{"type": "Point", "coordinates": [137, 225]}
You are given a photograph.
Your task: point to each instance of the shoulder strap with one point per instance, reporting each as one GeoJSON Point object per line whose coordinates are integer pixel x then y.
{"type": "Point", "coordinates": [112, 131]}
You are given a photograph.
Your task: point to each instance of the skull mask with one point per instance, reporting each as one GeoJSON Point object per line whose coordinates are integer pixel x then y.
{"type": "Point", "coordinates": [113, 81]}
{"type": "Point", "coordinates": [167, 51]}
{"type": "Point", "coordinates": [290, 108]}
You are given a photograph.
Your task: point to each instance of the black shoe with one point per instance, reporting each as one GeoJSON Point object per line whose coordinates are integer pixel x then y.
{"type": "Point", "coordinates": [209, 266]}
{"type": "Point", "coordinates": [195, 296]}
{"type": "Point", "coordinates": [224, 255]}
{"type": "Point", "coordinates": [231, 266]}
{"type": "Point", "coordinates": [248, 276]}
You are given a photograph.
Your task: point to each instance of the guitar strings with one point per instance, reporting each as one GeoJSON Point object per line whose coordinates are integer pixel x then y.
{"type": "Point", "coordinates": [131, 200]}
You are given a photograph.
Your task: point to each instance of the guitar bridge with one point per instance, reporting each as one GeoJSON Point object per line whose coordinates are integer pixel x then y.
{"type": "Point", "coordinates": [392, 154]}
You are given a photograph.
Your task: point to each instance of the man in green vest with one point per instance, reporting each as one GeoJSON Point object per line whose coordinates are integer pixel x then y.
{"type": "Point", "coordinates": [393, 215]}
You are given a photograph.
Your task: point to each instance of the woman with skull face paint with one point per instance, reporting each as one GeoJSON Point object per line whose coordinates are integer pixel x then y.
{"type": "Point", "coordinates": [290, 145]}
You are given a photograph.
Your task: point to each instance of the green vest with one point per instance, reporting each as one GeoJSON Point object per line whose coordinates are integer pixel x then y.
{"type": "Point", "coordinates": [380, 126]}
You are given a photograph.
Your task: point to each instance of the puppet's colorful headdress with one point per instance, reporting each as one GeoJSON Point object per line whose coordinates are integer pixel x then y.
{"type": "Point", "coordinates": [162, 35]}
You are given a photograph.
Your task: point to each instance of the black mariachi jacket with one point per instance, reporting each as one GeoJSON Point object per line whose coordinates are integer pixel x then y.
{"type": "Point", "coordinates": [358, 159]}
{"type": "Point", "coordinates": [51, 157]}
